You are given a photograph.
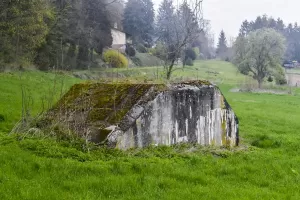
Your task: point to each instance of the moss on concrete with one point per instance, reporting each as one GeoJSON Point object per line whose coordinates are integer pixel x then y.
{"type": "Point", "coordinates": [104, 102]}
{"type": "Point", "coordinates": [197, 82]}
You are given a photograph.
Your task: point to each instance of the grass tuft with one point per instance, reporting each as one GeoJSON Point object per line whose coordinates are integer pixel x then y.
{"type": "Point", "coordinates": [265, 142]}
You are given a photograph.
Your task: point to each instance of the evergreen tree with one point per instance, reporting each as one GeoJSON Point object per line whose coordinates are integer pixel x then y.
{"type": "Point", "coordinates": [222, 45]}
{"type": "Point", "coordinates": [258, 23]}
{"type": "Point", "coordinates": [166, 14]}
{"type": "Point", "coordinates": [272, 23]}
{"type": "Point", "coordinates": [82, 25]}
{"type": "Point", "coordinates": [280, 25]}
{"type": "Point", "coordinates": [23, 27]}
{"type": "Point", "coordinates": [139, 20]}
{"type": "Point", "coordinates": [187, 20]}
{"type": "Point", "coordinates": [95, 31]}
{"type": "Point", "coordinates": [245, 29]}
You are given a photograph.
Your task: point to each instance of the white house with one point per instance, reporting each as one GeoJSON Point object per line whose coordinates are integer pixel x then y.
{"type": "Point", "coordinates": [119, 39]}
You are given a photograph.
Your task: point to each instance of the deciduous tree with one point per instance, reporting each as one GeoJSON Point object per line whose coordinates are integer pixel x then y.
{"type": "Point", "coordinates": [259, 54]}
{"type": "Point", "coordinates": [177, 29]}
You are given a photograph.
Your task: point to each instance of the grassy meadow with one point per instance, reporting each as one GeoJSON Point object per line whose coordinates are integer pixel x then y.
{"type": "Point", "coordinates": [213, 70]}
{"type": "Point", "coordinates": [40, 90]}
{"type": "Point", "coordinates": [265, 166]}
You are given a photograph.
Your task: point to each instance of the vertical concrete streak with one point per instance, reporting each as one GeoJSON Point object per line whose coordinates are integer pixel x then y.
{"type": "Point", "coordinates": [189, 114]}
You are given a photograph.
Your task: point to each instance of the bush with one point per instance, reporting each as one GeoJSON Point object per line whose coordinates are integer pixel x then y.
{"type": "Point", "coordinates": [281, 81]}
{"type": "Point", "coordinates": [115, 59]}
{"type": "Point", "coordinates": [197, 52]}
{"type": "Point", "coordinates": [130, 51]}
{"type": "Point", "coordinates": [189, 62]}
{"type": "Point", "coordinates": [190, 53]}
{"type": "Point", "coordinates": [152, 51]}
{"type": "Point", "coordinates": [141, 48]}
{"type": "Point", "coordinates": [227, 59]}
{"type": "Point", "coordinates": [159, 51]}
{"type": "Point", "coordinates": [280, 76]}
{"type": "Point", "coordinates": [270, 79]}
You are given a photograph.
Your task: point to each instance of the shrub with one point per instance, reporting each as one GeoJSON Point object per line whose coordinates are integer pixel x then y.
{"type": "Point", "coordinates": [115, 59]}
{"type": "Point", "coordinates": [270, 79]}
{"type": "Point", "coordinates": [190, 53]}
{"type": "Point", "coordinates": [152, 51]}
{"type": "Point", "coordinates": [197, 52]}
{"type": "Point", "coordinates": [189, 62]}
{"type": "Point", "coordinates": [159, 51]}
{"type": "Point", "coordinates": [141, 48]}
{"type": "Point", "coordinates": [130, 51]}
{"type": "Point", "coordinates": [281, 81]}
{"type": "Point", "coordinates": [280, 76]}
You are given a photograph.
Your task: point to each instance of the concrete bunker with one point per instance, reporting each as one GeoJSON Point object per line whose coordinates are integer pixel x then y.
{"type": "Point", "coordinates": [126, 115]}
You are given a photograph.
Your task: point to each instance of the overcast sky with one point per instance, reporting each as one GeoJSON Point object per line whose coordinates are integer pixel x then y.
{"type": "Point", "coordinates": [229, 14]}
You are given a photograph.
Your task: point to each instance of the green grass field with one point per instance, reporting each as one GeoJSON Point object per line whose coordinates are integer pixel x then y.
{"type": "Point", "coordinates": [215, 71]}
{"type": "Point", "coordinates": [265, 166]}
{"type": "Point", "coordinates": [40, 91]}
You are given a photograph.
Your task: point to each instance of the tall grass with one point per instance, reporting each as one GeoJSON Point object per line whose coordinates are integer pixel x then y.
{"type": "Point", "coordinates": [41, 91]}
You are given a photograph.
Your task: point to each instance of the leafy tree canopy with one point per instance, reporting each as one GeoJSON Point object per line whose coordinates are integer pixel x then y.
{"type": "Point", "coordinates": [259, 54]}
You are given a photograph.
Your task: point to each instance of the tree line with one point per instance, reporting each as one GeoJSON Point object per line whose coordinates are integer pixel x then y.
{"type": "Point", "coordinates": [66, 34]}
{"type": "Point", "coordinates": [261, 48]}
{"type": "Point", "coordinates": [291, 33]}
{"type": "Point", "coordinates": [59, 34]}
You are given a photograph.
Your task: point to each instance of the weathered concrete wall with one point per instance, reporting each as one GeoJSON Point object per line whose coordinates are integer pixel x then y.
{"type": "Point", "coordinates": [184, 113]}
{"type": "Point", "coordinates": [138, 115]}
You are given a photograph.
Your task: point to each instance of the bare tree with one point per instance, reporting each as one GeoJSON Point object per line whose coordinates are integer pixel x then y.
{"type": "Point", "coordinates": [177, 26]}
